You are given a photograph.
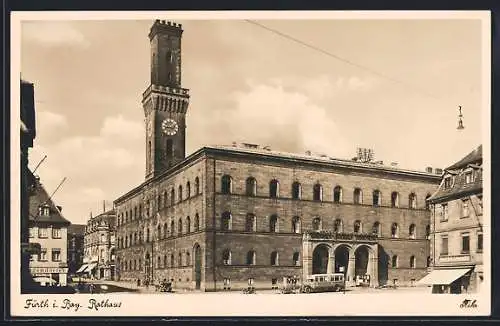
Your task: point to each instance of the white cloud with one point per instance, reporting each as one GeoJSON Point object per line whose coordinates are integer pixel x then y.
{"type": "Point", "coordinates": [53, 33]}
{"type": "Point", "coordinates": [286, 120]}
{"type": "Point", "coordinates": [118, 126]}
{"type": "Point", "coordinates": [50, 122]}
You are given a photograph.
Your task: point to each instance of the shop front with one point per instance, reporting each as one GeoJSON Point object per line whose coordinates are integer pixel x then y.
{"type": "Point", "coordinates": [50, 276]}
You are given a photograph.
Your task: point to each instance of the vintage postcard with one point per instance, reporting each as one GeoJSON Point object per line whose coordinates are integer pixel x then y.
{"type": "Point", "coordinates": [250, 164]}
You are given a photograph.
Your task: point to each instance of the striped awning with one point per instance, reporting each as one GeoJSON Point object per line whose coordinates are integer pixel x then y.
{"type": "Point", "coordinates": [90, 267]}
{"type": "Point", "coordinates": [82, 268]}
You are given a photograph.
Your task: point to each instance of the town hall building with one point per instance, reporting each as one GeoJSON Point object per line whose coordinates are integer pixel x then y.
{"type": "Point", "coordinates": [229, 216]}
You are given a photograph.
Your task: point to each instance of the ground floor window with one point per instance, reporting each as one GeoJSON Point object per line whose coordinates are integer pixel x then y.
{"type": "Point", "coordinates": [227, 283]}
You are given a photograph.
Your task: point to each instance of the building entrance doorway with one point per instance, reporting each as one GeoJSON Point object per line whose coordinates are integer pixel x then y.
{"type": "Point", "coordinates": [361, 256]}
{"type": "Point", "coordinates": [320, 259]}
{"type": "Point", "coordinates": [341, 259]}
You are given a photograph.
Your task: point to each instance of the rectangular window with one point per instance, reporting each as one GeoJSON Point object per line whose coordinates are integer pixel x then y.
{"type": "Point", "coordinates": [444, 212]}
{"type": "Point", "coordinates": [465, 208]}
{"type": "Point", "coordinates": [447, 183]}
{"type": "Point", "coordinates": [32, 257]}
{"type": "Point", "coordinates": [43, 254]}
{"type": "Point", "coordinates": [444, 246]}
{"type": "Point", "coordinates": [43, 233]}
{"type": "Point", "coordinates": [56, 254]}
{"type": "Point", "coordinates": [56, 233]}
{"type": "Point", "coordinates": [465, 243]}
{"type": "Point", "coordinates": [32, 232]}
{"type": "Point", "coordinates": [479, 242]}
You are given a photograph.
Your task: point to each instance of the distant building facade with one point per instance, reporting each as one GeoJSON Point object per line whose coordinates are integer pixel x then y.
{"type": "Point", "coordinates": [457, 228]}
{"type": "Point", "coordinates": [229, 216]}
{"type": "Point", "coordinates": [99, 246]}
{"type": "Point", "coordinates": [76, 233]}
{"type": "Point", "coordinates": [49, 229]}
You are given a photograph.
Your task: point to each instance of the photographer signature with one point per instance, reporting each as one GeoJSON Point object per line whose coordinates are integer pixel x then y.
{"type": "Point", "coordinates": [468, 304]}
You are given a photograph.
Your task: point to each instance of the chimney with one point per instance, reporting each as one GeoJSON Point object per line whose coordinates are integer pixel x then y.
{"type": "Point", "coordinates": [103, 206]}
{"type": "Point", "coordinates": [438, 171]}
{"type": "Point", "coordinates": [428, 169]}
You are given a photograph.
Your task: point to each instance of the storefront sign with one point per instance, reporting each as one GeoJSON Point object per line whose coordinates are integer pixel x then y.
{"type": "Point", "coordinates": [48, 270]}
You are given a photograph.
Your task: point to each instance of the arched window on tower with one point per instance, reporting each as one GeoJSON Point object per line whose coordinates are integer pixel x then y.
{"type": "Point", "coordinates": [251, 258]}
{"type": "Point", "coordinates": [188, 189]}
{"type": "Point", "coordinates": [172, 197]}
{"type": "Point", "coordinates": [149, 149]}
{"type": "Point", "coordinates": [197, 186]}
{"type": "Point", "coordinates": [180, 193]}
{"type": "Point", "coordinates": [172, 228]}
{"type": "Point", "coordinates": [179, 226]}
{"type": "Point", "coordinates": [296, 261]}
{"type": "Point", "coordinates": [170, 147]}
{"type": "Point", "coordinates": [188, 224]}
{"type": "Point", "coordinates": [196, 223]}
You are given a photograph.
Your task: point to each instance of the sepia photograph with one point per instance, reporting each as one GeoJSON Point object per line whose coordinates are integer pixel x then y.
{"type": "Point", "coordinates": [250, 163]}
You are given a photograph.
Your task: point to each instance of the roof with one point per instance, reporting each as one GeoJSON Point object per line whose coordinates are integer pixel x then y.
{"type": "Point", "coordinates": [76, 229]}
{"type": "Point", "coordinates": [265, 153]}
{"type": "Point", "coordinates": [460, 188]}
{"type": "Point", "coordinates": [39, 196]}
{"type": "Point", "coordinates": [108, 217]}
{"type": "Point", "coordinates": [476, 156]}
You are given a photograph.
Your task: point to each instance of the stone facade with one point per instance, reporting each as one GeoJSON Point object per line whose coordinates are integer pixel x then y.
{"type": "Point", "coordinates": [100, 246]}
{"type": "Point", "coordinates": [227, 216]}
{"type": "Point", "coordinates": [75, 247]}
{"type": "Point", "coordinates": [223, 210]}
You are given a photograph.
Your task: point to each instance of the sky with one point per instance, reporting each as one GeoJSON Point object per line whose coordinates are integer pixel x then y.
{"type": "Point", "coordinates": [248, 84]}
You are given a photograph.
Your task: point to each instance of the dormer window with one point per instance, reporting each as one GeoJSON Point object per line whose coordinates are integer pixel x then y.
{"type": "Point", "coordinates": [469, 177]}
{"type": "Point", "coordinates": [44, 210]}
{"type": "Point", "coordinates": [447, 183]}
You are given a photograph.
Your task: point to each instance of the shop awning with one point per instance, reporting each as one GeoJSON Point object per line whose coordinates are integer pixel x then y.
{"type": "Point", "coordinates": [90, 268]}
{"type": "Point", "coordinates": [82, 268]}
{"type": "Point", "coordinates": [443, 276]}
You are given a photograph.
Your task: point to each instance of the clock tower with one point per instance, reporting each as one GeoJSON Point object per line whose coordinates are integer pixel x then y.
{"type": "Point", "coordinates": [165, 102]}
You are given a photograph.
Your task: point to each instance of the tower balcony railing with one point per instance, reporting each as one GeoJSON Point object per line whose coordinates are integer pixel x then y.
{"type": "Point", "coordinates": [167, 89]}
{"type": "Point", "coordinates": [340, 236]}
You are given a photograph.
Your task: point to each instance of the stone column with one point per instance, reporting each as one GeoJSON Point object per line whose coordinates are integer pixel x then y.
{"type": "Point", "coordinates": [331, 261]}
{"type": "Point", "coordinates": [351, 269]}
{"type": "Point", "coordinates": [374, 266]}
{"type": "Point", "coordinates": [306, 256]}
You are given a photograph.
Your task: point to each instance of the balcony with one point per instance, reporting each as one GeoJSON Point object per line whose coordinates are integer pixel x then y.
{"type": "Point", "coordinates": [452, 259]}
{"type": "Point", "coordinates": [329, 235]}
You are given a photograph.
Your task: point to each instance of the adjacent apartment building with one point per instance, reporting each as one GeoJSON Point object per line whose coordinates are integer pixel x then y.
{"type": "Point", "coordinates": [99, 247]}
{"type": "Point", "coordinates": [49, 229]}
{"type": "Point", "coordinates": [76, 234]}
{"type": "Point", "coordinates": [457, 228]}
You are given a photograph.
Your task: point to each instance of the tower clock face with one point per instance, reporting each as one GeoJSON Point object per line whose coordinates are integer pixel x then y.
{"type": "Point", "coordinates": [169, 127]}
